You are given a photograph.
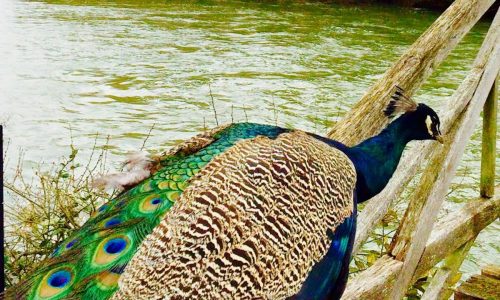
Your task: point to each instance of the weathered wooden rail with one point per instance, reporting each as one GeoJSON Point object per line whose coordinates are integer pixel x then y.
{"type": "Point", "coordinates": [483, 286]}
{"type": "Point", "coordinates": [419, 244]}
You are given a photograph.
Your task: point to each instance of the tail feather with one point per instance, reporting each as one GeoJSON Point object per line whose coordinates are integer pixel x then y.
{"type": "Point", "coordinates": [89, 262]}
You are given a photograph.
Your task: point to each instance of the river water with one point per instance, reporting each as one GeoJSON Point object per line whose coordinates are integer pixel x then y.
{"type": "Point", "coordinates": [117, 68]}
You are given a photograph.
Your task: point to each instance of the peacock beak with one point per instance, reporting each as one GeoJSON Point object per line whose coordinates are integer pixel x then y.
{"type": "Point", "coordinates": [439, 138]}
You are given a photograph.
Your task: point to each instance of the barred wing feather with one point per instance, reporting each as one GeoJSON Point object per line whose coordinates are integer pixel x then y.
{"type": "Point", "coordinates": [252, 224]}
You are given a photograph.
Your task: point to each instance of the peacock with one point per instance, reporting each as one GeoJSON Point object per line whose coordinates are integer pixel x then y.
{"type": "Point", "coordinates": [242, 211]}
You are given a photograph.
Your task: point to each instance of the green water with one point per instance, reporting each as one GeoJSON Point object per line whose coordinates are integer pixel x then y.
{"type": "Point", "coordinates": [117, 68]}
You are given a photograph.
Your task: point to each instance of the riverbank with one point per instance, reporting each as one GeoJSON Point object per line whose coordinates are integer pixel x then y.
{"type": "Point", "coordinates": [435, 5]}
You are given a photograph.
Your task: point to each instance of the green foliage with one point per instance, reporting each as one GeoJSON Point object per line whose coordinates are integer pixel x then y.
{"type": "Point", "coordinates": [48, 207]}
{"type": "Point", "coordinates": [377, 244]}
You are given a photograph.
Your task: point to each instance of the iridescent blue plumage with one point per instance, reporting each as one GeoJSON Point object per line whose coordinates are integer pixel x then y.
{"type": "Point", "coordinates": [328, 278]}
{"type": "Point", "coordinates": [376, 158]}
{"type": "Point", "coordinates": [60, 279]}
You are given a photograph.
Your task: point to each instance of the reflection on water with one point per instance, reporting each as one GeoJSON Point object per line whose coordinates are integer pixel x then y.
{"type": "Point", "coordinates": [117, 68]}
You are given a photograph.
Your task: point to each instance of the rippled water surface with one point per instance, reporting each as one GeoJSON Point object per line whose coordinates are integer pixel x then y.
{"type": "Point", "coordinates": [117, 68]}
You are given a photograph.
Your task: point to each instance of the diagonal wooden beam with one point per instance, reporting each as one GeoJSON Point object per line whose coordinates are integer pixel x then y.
{"type": "Point", "coordinates": [415, 228]}
{"type": "Point", "coordinates": [440, 287]}
{"type": "Point", "coordinates": [456, 229]}
{"type": "Point", "coordinates": [365, 119]}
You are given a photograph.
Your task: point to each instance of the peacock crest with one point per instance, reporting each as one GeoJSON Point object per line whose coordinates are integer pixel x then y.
{"type": "Point", "coordinates": [399, 103]}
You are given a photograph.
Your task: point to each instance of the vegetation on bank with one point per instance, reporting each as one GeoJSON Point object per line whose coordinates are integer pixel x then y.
{"type": "Point", "coordinates": [44, 210]}
{"type": "Point", "coordinates": [428, 4]}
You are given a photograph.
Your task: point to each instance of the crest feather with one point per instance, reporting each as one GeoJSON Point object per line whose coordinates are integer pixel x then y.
{"type": "Point", "coordinates": [399, 103]}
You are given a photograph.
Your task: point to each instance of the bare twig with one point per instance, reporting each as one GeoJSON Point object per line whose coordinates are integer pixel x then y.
{"type": "Point", "coordinates": [245, 111]}
{"type": "Point", "coordinates": [213, 104]}
{"type": "Point", "coordinates": [147, 136]}
{"type": "Point", "coordinates": [275, 111]}
{"type": "Point", "coordinates": [45, 211]}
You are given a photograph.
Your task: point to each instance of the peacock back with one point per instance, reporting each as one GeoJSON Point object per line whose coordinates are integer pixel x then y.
{"type": "Point", "coordinates": [89, 263]}
{"type": "Point", "coordinates": [270, 218]}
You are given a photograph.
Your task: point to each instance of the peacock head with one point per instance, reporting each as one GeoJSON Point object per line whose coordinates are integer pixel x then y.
{"type": "Point", "coordinates": [420, 120]}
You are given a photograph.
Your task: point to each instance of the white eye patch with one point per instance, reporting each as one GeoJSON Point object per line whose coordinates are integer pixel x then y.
{"type": "Point", "coordinates": [428, 122]}
{"type": "Point", "coordinates": [436, 121]}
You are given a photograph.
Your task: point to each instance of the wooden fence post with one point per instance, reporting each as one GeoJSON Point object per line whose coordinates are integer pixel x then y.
{"type": "Point", "coordinates": [411, 161]}
{"type": "Point", "coordinates": [487, 184]}
{"type": "Point", "coordinates": [448, 235]}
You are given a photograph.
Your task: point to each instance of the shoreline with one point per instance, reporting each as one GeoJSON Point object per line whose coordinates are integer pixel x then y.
{"type": "Point", "coordinates": [432, 5]}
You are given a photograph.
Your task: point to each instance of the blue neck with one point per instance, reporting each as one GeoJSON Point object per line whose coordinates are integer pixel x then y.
{"type": "Point", "coordinates": [376, 158]}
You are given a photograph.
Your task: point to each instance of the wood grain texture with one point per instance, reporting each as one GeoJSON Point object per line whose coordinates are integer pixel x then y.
{"type": "Point", "coordinates": [488, 143]}
{"type": "Point", "coordinates": [375, 282]}
{"type": "Point", "coordinates": [413, 159]}
{"type": "Point", "coordinates": [365, 119]}
{"type": "Point", "coordinates": [456, 228]}
{"type": "Point", "coordinates": [478, 287]}
{"type": "Point", "coordinates": [251, 224]}
{"type": "Point", "coordinates": [440, 287]}
{"type": "Point", "coordinates": [492, 271]}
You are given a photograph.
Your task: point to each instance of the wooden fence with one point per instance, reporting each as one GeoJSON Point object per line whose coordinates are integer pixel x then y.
{"type": "Point", "coordinates": [419, 244]}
